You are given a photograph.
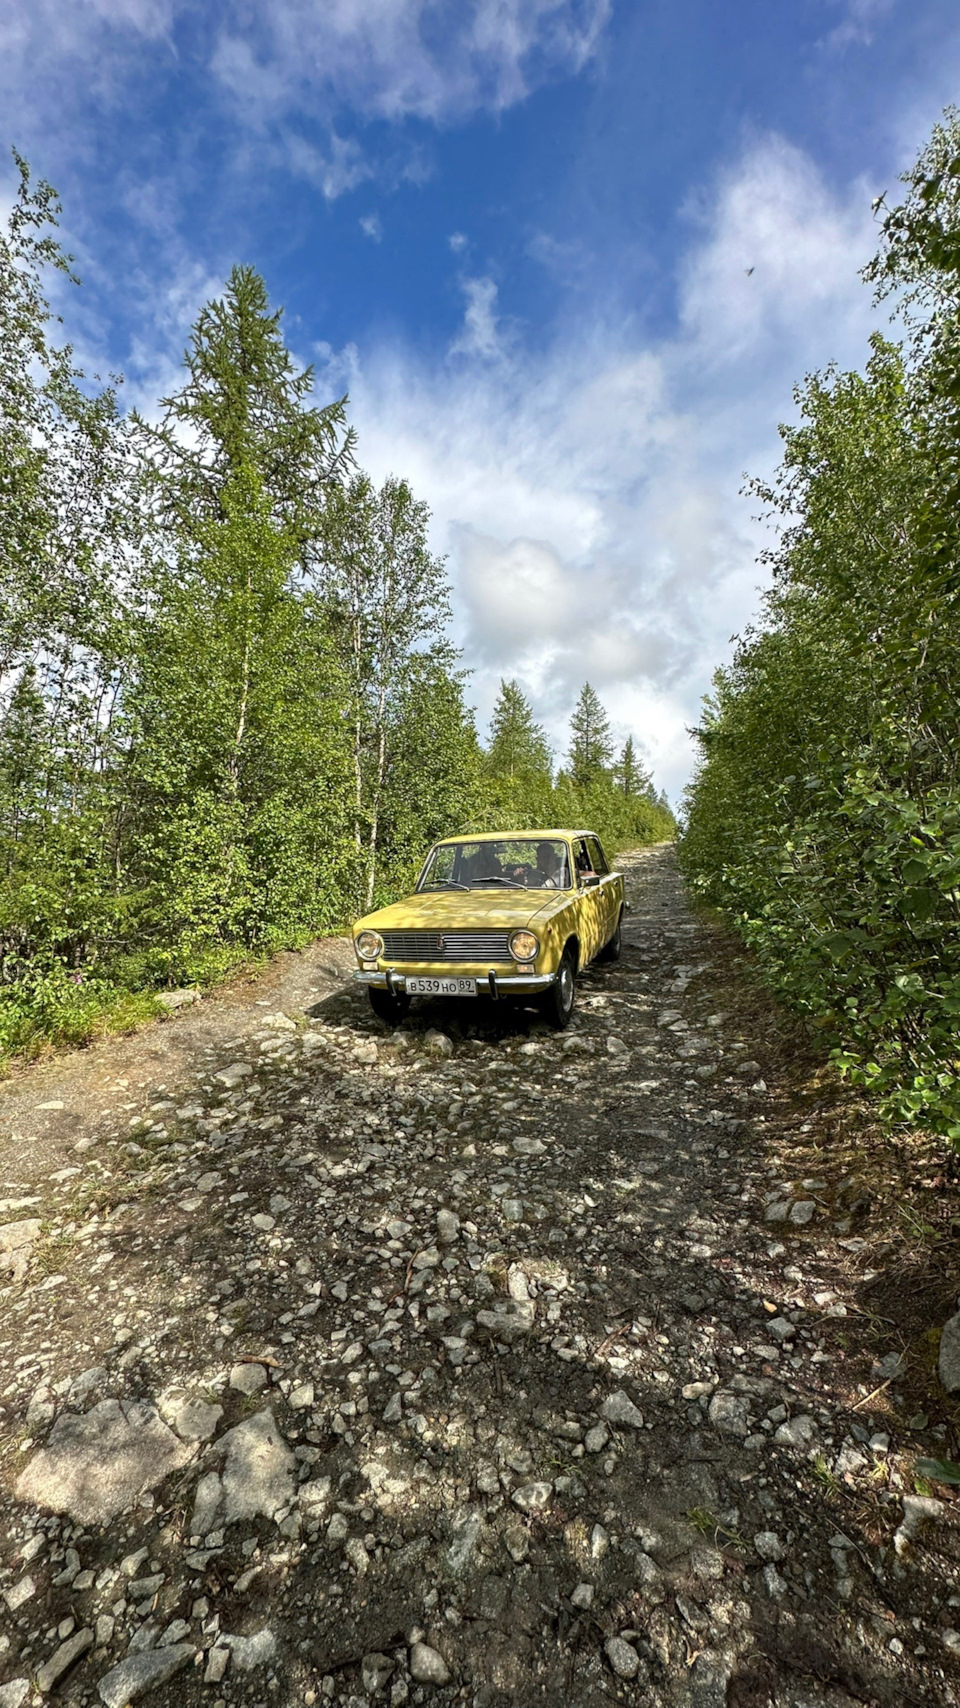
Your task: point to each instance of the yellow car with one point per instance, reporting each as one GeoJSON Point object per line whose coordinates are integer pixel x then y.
{"type": "Point", "coordinates": [503, 914]}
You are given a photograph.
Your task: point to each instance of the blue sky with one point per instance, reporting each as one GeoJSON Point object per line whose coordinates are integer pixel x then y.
{"type": "Point", "coordinates": [519, 232]}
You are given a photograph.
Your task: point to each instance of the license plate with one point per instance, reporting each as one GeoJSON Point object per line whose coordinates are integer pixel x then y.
{"type": "Point", "coordinates": [441, 987]}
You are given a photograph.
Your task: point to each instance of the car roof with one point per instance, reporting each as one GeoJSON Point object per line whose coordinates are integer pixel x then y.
{"type": "Point", "coordinates": [511, 835]}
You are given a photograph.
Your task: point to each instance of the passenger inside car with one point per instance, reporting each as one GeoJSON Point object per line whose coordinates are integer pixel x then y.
{"type": "Point", "coordinates": [552, 866]}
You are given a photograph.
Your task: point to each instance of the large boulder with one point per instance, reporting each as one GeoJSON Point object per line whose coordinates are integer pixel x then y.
{"type": "Point", "coordinates": [97, 1463]}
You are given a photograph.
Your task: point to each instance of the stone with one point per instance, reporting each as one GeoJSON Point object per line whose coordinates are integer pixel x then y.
{"type": "Point", "coordinates": [192, 1419]}
{"type": "Point", "coordinates": [355, 1553]}
{"type": "Point", "coordinates": [948, 1364]}
{"type": "Point", "coordinates": [796, 1432]}
{"type": "Point", "coordinates": [13, 1692]}
{"type": "Point", "coordinates": [98, 1463]}
{"type": "Point", "coordinates": [582, 1596]}
{"type": "Point", "coordinates": [596, 1438]}
{"type": "Point", "coordinates": [617, 1047]}
{"type": "Point", "coordinates": [448, 1226]}
{"type": "Point", "coordinates": [171, 1000]}
{"type": "Point", "coordinates": [619, 1409]}
{"type": "Point", "coordinates": [802, 1211]}
{"type": "Point", "coordinates": [780, 1329]}
{"type": "Point", "coordinates": [366, 1052]}
{"type": "Point", "coordinates": [509, 1320]}
{"type": "Point", "coordinates": [337, 1530]}
{"type": "Point", "coordinates": [142, 1672]}
{"type": "Point", "coordinates": [258, 1475]}
{"type": "Point", "coordinates": [729, 1413]}
{"type": "Point", "coordinates": [301, 1397]}
{"type": "Point", "coordinates": [511, 1209]}
{"type": "Point", "coordinates": [376, 1670]}
{"type": "Point", "coordinates": [233, 1075]}
{"type": "Point", "coordinates": [18, 1593]}
{"type": "Point", "coordinates": [15, 1235]}
{"type": "Point", "coordinates": [533, 1497]}
{"type": "Point", "coordinates": [206, 1504]}
{"type": "Point", "coordinates": [917, 1511]}
{"type": "Point", "coordinates": [248, 1378]}
{"type": "Point", "coordinates": [217, 1662]}
{"type": "Point", "coordinates": [623, 1657]}
{"type": "Point", "coordinates": [427, 1665]}
{"type": "Point", "coordinates": [529, 1147]}
{"type": "Point", "coordinates": [774, 1584]}
{"type": "Point", "coordinates": [438, 1043]}
{"type": "Point", "coordinates": [884, 1369]}
{"type": "Point", "coordinates": [17, 1240]}
{"type": "Point", "coordinates": [253, 1651]}
{"type": "Point", "coordinates": [62, 1659]}
{"type": "Point", "coordinates": [41, 1411]}
{"type": "Point", "coordinates": [768, 1545]}
{"type": "Point", "coordinates": [466, 1534]}
{"type": "Point", "coordinates": [599, 1542]}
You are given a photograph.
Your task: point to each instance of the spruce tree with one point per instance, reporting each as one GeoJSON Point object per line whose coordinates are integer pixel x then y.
{"type": "Point", "coordinates": [631, 774]}
{"type": "Point", "coordinates": [591, 747]}
{"type": "Point", "coordinates": [518, 747]}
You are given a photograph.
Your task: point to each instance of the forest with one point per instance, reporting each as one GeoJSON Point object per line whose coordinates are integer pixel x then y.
{"type": "Point", "coordinates": [231, 716]}
{"type": "Point", "coordinates": [824, 817]}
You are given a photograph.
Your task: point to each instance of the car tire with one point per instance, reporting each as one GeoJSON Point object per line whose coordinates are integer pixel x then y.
{"type": "Point", "coordinates": [557, 1005]}
{"type": "Point", "coordinates": [612, 950]}
{"type": "Point", "coordinates": [389, 1006]}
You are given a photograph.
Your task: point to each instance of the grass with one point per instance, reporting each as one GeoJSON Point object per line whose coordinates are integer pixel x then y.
{"type": "Point", "coordinates": [710, 1525]}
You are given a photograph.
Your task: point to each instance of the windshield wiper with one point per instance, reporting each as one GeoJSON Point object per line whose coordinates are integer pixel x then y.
{"type": "Point", "coordinates": [448, 884]}
{"type": "Point", "coordinates": [511, 883]}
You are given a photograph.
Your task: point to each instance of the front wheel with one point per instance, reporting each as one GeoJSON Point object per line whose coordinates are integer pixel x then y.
{"type": "Point", "coordinates": [388, 1005]}
{"type": "Point", "coordinates": [557, 1005]}
{"type": "Point", "coordinates": [611, 951]}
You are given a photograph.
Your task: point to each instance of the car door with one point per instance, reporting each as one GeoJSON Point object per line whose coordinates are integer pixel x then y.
{"type": "Point", "coordinates": [609, 891]}
{"type": "Point", "coordinates": [589, 903]}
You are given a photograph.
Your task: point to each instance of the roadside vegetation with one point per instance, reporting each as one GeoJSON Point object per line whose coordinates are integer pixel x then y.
{"type": "Point", "coordinates": [230, 713]}
{"type": "Point", "coordinates": [824, 818]}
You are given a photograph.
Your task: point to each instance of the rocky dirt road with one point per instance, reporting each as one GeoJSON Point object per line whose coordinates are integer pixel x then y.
{"type": "Point", "coordinates": [463, 1364]}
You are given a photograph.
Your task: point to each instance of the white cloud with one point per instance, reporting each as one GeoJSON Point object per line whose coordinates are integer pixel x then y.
{"type": "Point", "coordinates": [481, 334]}
{"type": "Point", "coordinates": [588, 496]}
{"type": "Point", "coordinates": [435, 59]}
{"type": "Point", "coordinates": [439, 60]}
{"type": "Point", "coordinates": [457, 241]}
{"type": "Point", "coordinates": [856, 27]}
{"type": "Point", "coordinates": [340, 167]}
{"type": "Point", "coordinates": [371, 227]}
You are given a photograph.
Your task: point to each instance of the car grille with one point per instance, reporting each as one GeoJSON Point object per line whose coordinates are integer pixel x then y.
{"type": "Point", "coordinates": [446, 946]}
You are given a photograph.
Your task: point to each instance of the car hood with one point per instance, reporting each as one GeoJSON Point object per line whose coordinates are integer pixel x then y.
{"type": "Point", "coordinates": [484, 910]}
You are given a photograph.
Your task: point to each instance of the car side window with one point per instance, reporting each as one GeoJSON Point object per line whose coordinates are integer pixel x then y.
{"type": "Point", "coordinates": [581, 860]}
{"type": "Point", "coordinates": [597, 856]}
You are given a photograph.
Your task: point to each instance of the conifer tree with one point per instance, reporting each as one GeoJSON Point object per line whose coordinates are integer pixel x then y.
{"type": "Point", "coordinates": [591, 747]}
{"type": "Point", "coordinates": [518, 746]}
{"type": "Point", "coordinates": [632, 775]}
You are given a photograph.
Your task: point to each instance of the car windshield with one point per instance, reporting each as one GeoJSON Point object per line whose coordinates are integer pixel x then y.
{"type": "Point", "coordinates": [512, 863]}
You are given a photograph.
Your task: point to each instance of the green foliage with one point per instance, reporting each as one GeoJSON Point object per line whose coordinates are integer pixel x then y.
{"type": "Point", "coordinates": [230, 713]}
{"type": "Point", "coordinates": [825, 815]}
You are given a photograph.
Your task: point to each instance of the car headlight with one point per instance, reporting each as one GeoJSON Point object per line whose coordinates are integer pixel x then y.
{"type": "Point", "coordinates": [369, 945]}
{"type": "Point", "coordinates": [524, 946]}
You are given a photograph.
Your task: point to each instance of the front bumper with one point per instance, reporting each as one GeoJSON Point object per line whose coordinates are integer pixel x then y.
{"type": "Point", "coordinates": [488, 984]}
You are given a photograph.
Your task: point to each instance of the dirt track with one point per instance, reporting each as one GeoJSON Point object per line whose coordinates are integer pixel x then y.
{"type": "Point", "coordinates": [497, 1368]}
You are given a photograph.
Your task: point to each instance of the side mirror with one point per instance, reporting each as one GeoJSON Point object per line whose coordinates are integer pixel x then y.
{"type": "Point", "coordinates": [589, 880]}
